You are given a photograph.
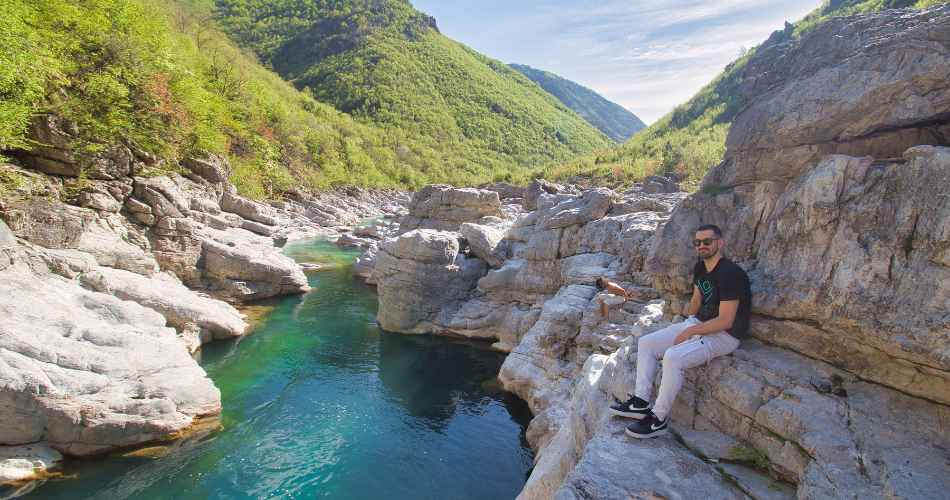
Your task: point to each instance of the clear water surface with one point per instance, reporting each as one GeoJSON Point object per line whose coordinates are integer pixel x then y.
{"type": "Point", "coordinates": [319, 403]}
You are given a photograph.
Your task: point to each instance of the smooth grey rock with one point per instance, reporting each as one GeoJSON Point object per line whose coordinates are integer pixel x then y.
{"type": "Point", "coordinates": [483, 318]}
{"type": "Point", "coordinates": [593, 204]}
{"type": "Point", "coordinates": [63, 262]}
{"type": "Point", "coordinates": [365, 263]}
{"type": "Point", "coordinates": [88, 372]}
{"type": "Point", "coordinates": [248, 209]}
{"type": "Point", "coordinates": [756, 484]}
{"type": "Point", "coordinates": [140, 212]}
{"type": "Point", "coordinates": [616, 467]}
{"type": "Point", "coordinates": [211, 168]}
{"type": "Point", "coordinates": [258, 228]}
{"type": "Point", "coordinates": [872, 84]}
{"type": "Point", "coordinates": [177, 247]}
{"type": "Point", "coordinates": [27, 462]}
{"type": "Point", "coordinates": [203, 205]}
{"type": "Point", "coordinates": [709, 444]}
{"type": "Point", "coordinates": [244, 272]}
{"type": "Point", "coordinates": [832, 138]}
{"type": "Point", "coordinates": [7, 238]}
{"type": "Point", "coordinates": [98, 200]}
{"type": "Point", "coordinates": [444, 208]}
{"type": "Point", "coordinates": [162, 195]}
{"type": "Point", "coordinates": [417, 275]}
{"type": "Point", "coordinates": [484, 241]}
{"type": "Point", "coordinates": [179, 305]}
{"type": "Point", "coordinates": [59, 226]}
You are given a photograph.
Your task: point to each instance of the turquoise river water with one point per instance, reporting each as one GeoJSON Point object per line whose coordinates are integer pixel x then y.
{"type": "Point", "coordinates": [319, 403]}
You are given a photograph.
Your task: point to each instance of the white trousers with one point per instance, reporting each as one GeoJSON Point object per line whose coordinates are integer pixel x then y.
{"type": "Point", "coordinates": [697, 350]}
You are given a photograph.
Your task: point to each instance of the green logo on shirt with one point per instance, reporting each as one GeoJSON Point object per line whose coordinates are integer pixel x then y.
{"type": "Point", "coordinates": [705, 286]}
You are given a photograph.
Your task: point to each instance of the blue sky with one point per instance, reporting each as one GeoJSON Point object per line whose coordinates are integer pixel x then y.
{"type": "Point", "coordinates": [647, 56]}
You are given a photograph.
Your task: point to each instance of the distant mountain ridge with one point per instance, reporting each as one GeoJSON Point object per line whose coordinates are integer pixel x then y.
{"type": "Point", "coordinates": [612, 119]}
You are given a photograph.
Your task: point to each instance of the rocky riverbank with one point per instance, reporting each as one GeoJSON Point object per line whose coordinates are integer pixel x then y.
{"type": "Point", "coordinates": [110, 278]}
{"type": "Point", "coordinates": [833, 195]}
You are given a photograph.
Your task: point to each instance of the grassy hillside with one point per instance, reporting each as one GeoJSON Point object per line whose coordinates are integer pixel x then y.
{"type": "Point", "coordinates": [614, 120]}
{"type": "Point", "coordinates": [157, 75]}
{"type": "Point", "coordinates": [691, 139]}
{"type": "Point", "coordinates": [387, 64]}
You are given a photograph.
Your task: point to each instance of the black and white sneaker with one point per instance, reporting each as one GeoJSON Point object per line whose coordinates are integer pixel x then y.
{"type": "Point", "coordinates": [649, 426]}
{"type": "Point", "coordinates": [631, 408]}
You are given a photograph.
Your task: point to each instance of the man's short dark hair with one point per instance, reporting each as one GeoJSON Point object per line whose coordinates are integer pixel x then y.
{"type": "Point", "coordinates": [710, 227]}
{"type": "Point", "coordinates": [601, 283]}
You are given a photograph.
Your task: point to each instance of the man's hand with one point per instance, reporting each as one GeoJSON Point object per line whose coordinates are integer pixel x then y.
{"type": "Point", "coordinates": [683, 336]}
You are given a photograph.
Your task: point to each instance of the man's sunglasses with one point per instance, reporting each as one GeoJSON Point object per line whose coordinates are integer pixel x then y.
{"type": "Point", "coordinates": [705, 242]}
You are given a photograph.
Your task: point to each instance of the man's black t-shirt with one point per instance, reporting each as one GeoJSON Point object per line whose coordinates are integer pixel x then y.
{"type": "Point", "coordinates": [727, 281]}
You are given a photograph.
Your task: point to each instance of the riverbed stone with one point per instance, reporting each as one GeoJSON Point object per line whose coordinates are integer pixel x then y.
{"type": "Point", "coordinates": [418, 274]}
{"type": "Point", "coordinates": [251, 210]}
{"type": "Point", "coordinates": [56, 225]}
{"type": "Point", "coordinates": [88, 372]}
{"type": "Point", "coordinates": [179, 305]}
{"type": "Point", "coordinates": [26, 462]}
{"type": "Point", "coordinates": [247, 272]}
{"type": "Point", "coordinates": [444, 208]}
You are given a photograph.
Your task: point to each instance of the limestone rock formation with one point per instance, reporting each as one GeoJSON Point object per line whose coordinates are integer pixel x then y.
{"type": "Point", "coordinates": [86, 372]}
{"type": "Point", "coordinates": [182, 308]}
{"type": "Point", "coordinates": [444, 208]}
{"type": "Point", "coordinates": [245, 272]}
{"type": "Point", "coordinates": [53, 224]}
{"type": "Point", "coordinates": [841, 248]}
{"type": "Point", "coordinates": [27, 462]}
{"type": "Point", "coordinates": [257, 212]}
{"type": "Point", "coordinates": [418, 273]}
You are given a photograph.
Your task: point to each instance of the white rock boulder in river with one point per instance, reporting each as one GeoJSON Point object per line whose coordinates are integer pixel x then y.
{"type": "Point", "coordinates": [182, 308]}
{"type": "Point", "coordinates": [418, 274]}
{"type": "Point", "coordinates": [87, 372]}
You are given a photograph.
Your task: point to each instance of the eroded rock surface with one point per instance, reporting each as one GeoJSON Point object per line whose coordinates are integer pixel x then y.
{"type": "Point", "coordinates": [418, 274]}
{"type": "Point", "coordinates": [86, 372]}
{"type": "Point", "coordinates": [444, 208]}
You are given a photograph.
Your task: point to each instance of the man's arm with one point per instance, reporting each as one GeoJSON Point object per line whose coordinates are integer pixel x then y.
{"type": "Point", "coordinates": [615, 289]}
{"type": "Point", "coordinates": [727, 315]}
{"type": "Point", "coordinates": [694, 302]}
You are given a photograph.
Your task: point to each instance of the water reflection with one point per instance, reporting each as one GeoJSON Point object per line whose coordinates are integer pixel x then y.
{"type": "Point", "coordinates": [433, 377]}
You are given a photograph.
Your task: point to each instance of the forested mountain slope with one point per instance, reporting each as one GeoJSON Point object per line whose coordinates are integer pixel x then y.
{"type": "Point", "coordinates": [612, 119]}
{"type": "Point", "coordinates": [387, 64]}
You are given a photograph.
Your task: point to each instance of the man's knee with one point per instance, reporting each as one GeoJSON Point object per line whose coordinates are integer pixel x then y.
{"type": "Point", "coordinates": [648, 341]}
{"type": "Point", "coordinates": [673, 358]}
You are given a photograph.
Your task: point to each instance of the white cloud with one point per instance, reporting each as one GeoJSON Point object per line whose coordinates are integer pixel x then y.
{"type": "Point", "coordinates": [648, 56]}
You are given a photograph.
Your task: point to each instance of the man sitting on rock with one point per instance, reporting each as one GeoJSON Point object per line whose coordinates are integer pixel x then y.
{"type": "Point", "coordinates": [612, 295]}
{"type": "Point", "coordinates": [718, 318]}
